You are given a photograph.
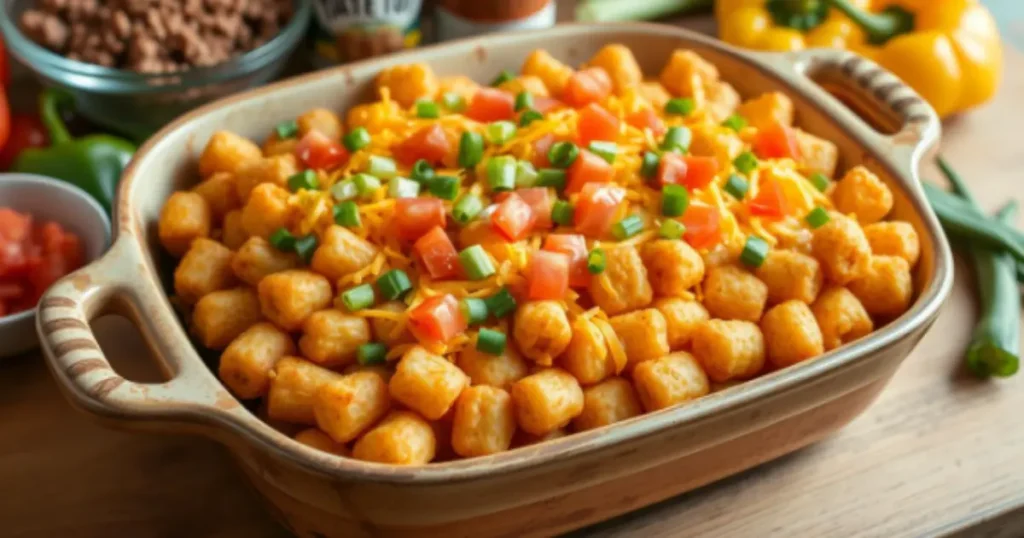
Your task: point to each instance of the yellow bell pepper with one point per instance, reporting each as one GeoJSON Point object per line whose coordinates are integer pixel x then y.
{"type": "Point", "coordinates": [947, 50]}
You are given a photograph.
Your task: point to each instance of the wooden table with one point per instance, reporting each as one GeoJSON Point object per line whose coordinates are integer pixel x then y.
{"type": "Point", "coordinates": [939, 453]}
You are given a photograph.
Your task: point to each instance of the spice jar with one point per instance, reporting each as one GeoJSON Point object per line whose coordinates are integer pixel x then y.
{"type": "Point", "coordinates": [350, 30]}
{"type": "Point", "coordinates": [463, 18]}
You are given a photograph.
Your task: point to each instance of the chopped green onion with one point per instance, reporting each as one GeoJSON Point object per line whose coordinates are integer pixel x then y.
{"type": "Point", "coordinates": [503, 77]}
{"type": "Point", "coordinates": [563, 154]}
{"type": "Point", "coordinates": [526, 174]}
{"type": "Point", "coordinates": [381, 167]}
{"type": "Point", "coordinates": [817, 217]}
{"type": "Point", "coordinates": [551, 177]}
{"type": "Point", "coordinates": [820, 181]}
{"type": "Point", "coordinates": [627, 227]}
{"type": "Point", "coordinates": [347, 214]}
{"type": "Point", "coordinates": [523, 101]}
{"type": "Point", "coordinates": [735, 122]}
{"type": "Point", "coordinates": [491, 342]}
{"type": "Point", "coordinates": [754, 252]}
{"type": "Point", "coordinates": [672, 229]}
{"type": "Point", "coordinates": [306, 179]}
{"type": "Point", "coordinates": [422, 171]}
{"type": "Point", "coordinates": [372, 353]}
{"type": "Point", "coordinates": [476, 262]}
{"type": "Point", "coordinates": [995, 342]}
{"type": "Point", "coordinates": [453, 102]}
{"type": "Point", "coordinates": [529, 116]}
{"type": "Point", "coordinates": [445, 187]}
{"type": "Point", "coordinates": [500, 132]}
{"type": "Point", "coordinates": [674, 200]}
{"type": "Point", "coordinates": [282, 239]}
{"type": "Point", "coordinates": [393, 284]}
{"type": "Point", "coordinates": [736, 186]}
{"type": "Point", "coordinates": [366, 184]}
{"type": "Point", "coordinates": [680, 106]}
{"type": "Point", "coordinates": [501, 173]}
{"type": "Point", "coordinates": [596, 261]}
{"type": "Point", "coordinates": [467, 208]}
{"type": "Point", "coordinates": [649, 164]}
{"type": "Point", "coordinates": [562, 213]}
{"type": "Point", "coordinates": [358, 298]}
{"type": "Point", "coordinates": [605, 150]}
{"type": "Point", "coordinates": [400, 187]}
{"type": "Point", "coordinates": [356, 139]}
{"type": "Point", "coordinates": [344, 190]}
{"type": "Point", "coordinates": [471, 149]}
{"type": "Point", "coordinates": [501, 304]}
{"type": "Point", "coordinates": [427, 109]}
{"type": "Point", "coordinates": [305, 247]}
{"type": "Point", "coordinates": [745, 163]}
{"type": "Point", "coordinates": [474, 309]}
{"type": "Point", "coordinates": [677, 139]}
{"type": "Point", "coordinates": [287, 129]}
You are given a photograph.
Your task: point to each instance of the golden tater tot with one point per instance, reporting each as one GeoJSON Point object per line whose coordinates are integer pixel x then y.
{"type": "Point", "coordinates": [670, 380]}
{"type": "Point", "coordinates": [330, 337]}
{"type": "Point", "coordinates": [226, 152]}
{"type": "Point", "coordinates": [791, 334]}
{"type": "Point", "coordinates": [220, 316]}
{"type": "Point", "coordinates": [275, 145]}
{"type": "Point", "coordinates": [205, 268]}
{"type": "Point", "coordinates": [841, 317]}
{"type": "Point", "coordinates": [643, 333]}
{"type": "Point", "coordinates": [527, 83]}
{"type": "Point", "coordinates": [894, 239]}
{"type": "Point", "coordinates": [729, 349]}
{"type": "Point", "coordinates": [347, 406]}
{"type": "Point", "coordinates": [685, 72]}
{"type": "Point", "coordinates": [887, 288]}
{"type": "Point", "coordinates": [554, 73]}
{"type": "Point", "coordinates": [374, 117]}
{"type": "Point", "coordinates": [722, 100]}
{"type": "Point", "coordinates": [246, 364]}
{"type": "Point", "coordinates": [842, 249]}
{"type": "Point", "coordinates": [547, 400]}
{"type": "Point", "coordinates": [484, 421]}
{"type": "Point", "coordinates": [718, 141]}
{"type": "Point", "coordinates": [266, 211]}
{"type": "Point", "coordinates": [390, 331]}
{"type": "Point", "coordinates": [219, 192]}
{"type": "Point", "coordinates": [608, 402]}
{"type": "Point", "coordinates": [587, 358]}
{"type": "Point", "coordinates": [790, 275]}
{"type": "Point", "coordinates": [185, 217]}
{"type": "Point", "coordinates": [294, 383]}
{"type": "Point", "coordinates": [682, 317]}
{"type": "Point", "coordinates": [233, 234]}
{"type": "Point", "coordinates": [257, 258]}
{"type": "Point", "coordinates": [494, 370]}
{"type": "Point", "coordinates": [733, 293]}
{"type": "Point", "coordinates": [654, 93]}
{"type": "Point", "coordinates": [408, 83]}
{"type": "Point", "coordinates": [289, 297]}
{"type": "Point", "coordinates": [427, 383]}
{"type": "Point", "coordinates": [620, 64]}
{"type": "Point", "coordinates": [673, 267]}
{"type": "Point", "coordinates": [322, 120]}
{"type": "Point", "coordinates": [542, 331]}
{"type": "Point", "coordinates": [341, 252]}
{"type": "Point", "coordinates": [862, 193]}
{"type": "Point", "coordinates": [402, 438]}
{"type": "Point", "coordinates": [319, 440]}
{"type": "Point", "coordinates": [460, 85]}
{"type": "Point", "coordinates": [623, 285]}
{"type": "Point", "coordinates": [817, 155]}
{"type": "Point", "coordinates": [274, 170]}
{"type": "Point", "coordinates": [768, 109]}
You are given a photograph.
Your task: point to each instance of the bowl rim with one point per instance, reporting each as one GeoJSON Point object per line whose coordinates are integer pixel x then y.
{"type": "Point", "coordinates": [256, 432]}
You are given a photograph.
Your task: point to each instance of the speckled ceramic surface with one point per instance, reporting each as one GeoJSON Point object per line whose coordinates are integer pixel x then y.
{"type": "Point", "coordinates": [536, 490]}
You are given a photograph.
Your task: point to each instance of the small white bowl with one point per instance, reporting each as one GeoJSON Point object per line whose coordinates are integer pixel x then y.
{"type": "Point", "coordinates": [49, 199]}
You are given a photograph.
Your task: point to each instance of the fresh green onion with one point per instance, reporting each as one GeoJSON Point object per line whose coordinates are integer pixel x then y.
{"type": "Point", "coordinates": [445, 187]}
{"type": "Point", "coordinates": [817, 217]}
{"type": "Point", "coordinates": [736, 186]}
{"type": "Point", "coordinates": [491, 342]}
{"type": "Point", "coordinates": [427, 109]}
{"type": "Point", "coordinates": [500, 132]}
{"type": "Point", "coordinates": [282, 240]}
{"type": "Point", "coordinates": [305, 247]}
{"type": "Point", "coordinates": [672, 229]}
{"type": "Point", "coordinates": [755, 250]}
{"type": "Point", "coordinates": [287, 129]}
{"type": "Point", "coordinates": [562, 213]}
{"type": "Point", "coordinates": [995, 343]}
{"type": "Point", "coordinates": [366, 184]}
{"type": "Point", "coordinates": [305, 179]}
{"type": "Point", "coordinates": [501, 173]}
{"type": "Point", "coordinates": [400, 187]}
{"type": "Point", "coordinates": [381, 167]}
{"type": "Point", "coordinates": [501, 304]}
{"type": "Point", "coordinates": [680, 106]}
{"type": "Point", "coordinates": [529, 116]}
{"type": "Point", "coordinates": [471, 149]}
{"type": "Point", "coordinates": [356, 139]}
{"type": "Point", "coordinates": [422, 171]}
{"type": "Point", "coordinates": [474, 309]}
{"type": "Point", "coordinates": [526, 174]}
{"type": "Point", "coordinates": [476, 262]}
{"type": "Point", "coordinates": [467, 208]}
{"type": "Point", "coordinates": [746, 162]}
{"type": "Point", "coordinates": [649, 164]}
{"type": "Point", "coordinates": [674, 200]}
{"type": "Point", "coordinates": [372, 353]}
{"type": "Point", "coordinates": [453, 102]}
{"type": "Point", "coordinates": [960, 217]}
{"type": "Point", "coordinates": [358, 298]}
{"type": "Point", "coordinates": [394, 284]}
{"type": "Point", "coordinates": [596, 261]}
{"type": "Point", "coordinates": [820, 181]}
{"type": "Point", "coordinates": [957, 183]}
{"type": "Point", "coordinates": [735, 122]}
{"type": "Point", "coordinates": [605, 150]}
{"type": "Point", "coordinates": [563, 154]}
{"type": "Point", "coordinates": [344, 190]}
{"type": "Point", "coordinates": [503, 77]}
{"type": "Point", "coordinates": [523, 101]}
{"type": "Point", "coordinates": [677, 138]}
{"type": "Point", "coordinates": [627, 227]}
{"type": "Point", "coordinates": [347, 214]}
{"type": "Point", "coordinates": [551, 177]}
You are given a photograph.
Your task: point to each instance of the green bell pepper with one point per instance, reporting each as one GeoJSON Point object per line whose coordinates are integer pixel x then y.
{"type": "Point", "coordinates": [93, 163]}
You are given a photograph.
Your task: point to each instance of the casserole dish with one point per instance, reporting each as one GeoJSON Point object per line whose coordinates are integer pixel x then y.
{"type": "Point", "coordinates": [540, 489]}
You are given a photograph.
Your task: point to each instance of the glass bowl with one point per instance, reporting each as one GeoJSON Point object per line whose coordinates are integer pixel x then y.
{"type": "Point", "coordinates": [139, 104]}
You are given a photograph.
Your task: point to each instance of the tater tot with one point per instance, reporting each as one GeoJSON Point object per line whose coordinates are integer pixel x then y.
{"type": "Point", "coordinates": [257, 258]}
{"type": "Point", "coordinates": [427, 383]}
{"type": "Point", "coordinates": [817, 155]}
{"type": "Point", "coordinates": [554, 73]}
{"type": "Point", "coordinates": [587, 358]}
{"type": "Point", "coordinates": [219, 317]}
{"type": "Point", "coordinates": [673, 267]}
{"type": "Point", "coordinates": [682, 317]}
{"type": "Point", "coordinates": [643, 333]}
{"type": "Point", "coordinates": [275, 145]}
{"type": "Point", "coordinates": [733, 293]}
{"type": "Point", "coordinates": [484, 422]}
{"type": "Point", "coordinates": [790, 275]}
{"type": "Point", "coordinates": [686, 71]}
{"type": "Point", "coordinates": [408, 83]}
{"type": "Point", "coordinates": [608, 402]}
{"type": "Point", "coordinates": [379, 370]}
{"type": "Point", "coordinates": [266, 211]}
{"type": "Point", "coordinates": [347, 406]}
{"type": "Point", "coordinates": [729, 349]}
{"type": "Point", "coordinates": [886, 288]}
{"type": "Point", "coordinates": [293, 384]}
{"type": "Point", "coordinates": [184, 218]}
{"type": "Point", "coordinates": [542, 331]}
{"type": "Point", "coordinates": [670, 380]}
{"type": "Point", "coordinates": [460, 85]}
{"type": "Point", "coordinates": [330, 337]}
{"type": "Point", "coordinates": [274, 169]}
{"type": "Point", "coordinates": [226, 152]}
{"type": "Point", "coordinates": [768, 109]}
{"type": "Point", "coordinates": [654, 93]}
{"type": "Point", "coordinates": [714, 140]}
{"type": "Point", "coordinates": [547, 400]}
{"type": "Point", "coordinates": [322, 120]}
{"type": "Point", "coordinates": [233, 233]}
{"type": "Point", "coordinates": [791, 334]}
{"type": "Point", "coordinates": [623, 285]}
{"type": "Point", "coordinates": [861, 192]}
{"type": "Point", "coordinates": [722, 100]}
{"type": "Point", "coordinates": [842, 249]}
{"type": "Point", "coordinates": [494, 370]}
{"type": "Point", "coordinates": [389, 331]}
{"type": "Point", "coordinates": [205, 268]}
{"type": "Point", "coordinates": [620, 64]}
{"type": "Point", "coordinates": [530, 84]}
{"type": "Point", "coordinates": [894, 239]}
{"type": "Point", "coordinates": [374, 117]}
{"type": "Point", "coordinates": [289, 297]}
{"type": "Point", "coordinates": [219, 192]}
{"type": "Point", "coordinates": [341, 252]}
{"type": "Point", "coordinates": [246, 364]}
{"type": "Point", "coordinates": [841, 317]}
{"type": "Point", "coordinates": [319, 440]}
{"type": "Point", "coordinates": [402, 438]}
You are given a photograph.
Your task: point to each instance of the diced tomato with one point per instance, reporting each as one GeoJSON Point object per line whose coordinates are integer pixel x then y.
{"type": "Point", "coordinates": [575, 247]}
{"type": "Point", "coordinates": [770, 202]}
{"type": "Point", "coordinates": [541, 146]}
{"type": "Point", "coordinates": [437, 319]}
{"type": "Point", "coordinates": [437, 254]}
{"type": "Point", "coordinates": [13, 261]}
{"type": "Point", "coordinates": [671, 170]}
{"type": "Point", "coordinates": [14, 226]}
{"type": "Point", "coordinates": [699, 171]}
{"type": "Point", "coordinates": [587, 86]}
{"type": "Point", "coordinates": [548, 275]}
{"type": "Point", "coordinates": [491, 104]}
{"type": "Point", "coordinates": [514, 218]}
{"type": "Point", "coordinates": [429, 143]}
{"type": "Point", "coordinates": [546, 104]}
{"type": "Point", "coordinates": [12, 290]}
{"type": "Point", "coordinates": [317, 151]}
{"type": "Point", "coordinates": [703, 226]}
{"type": "Point", "coordinates": [596, 208]}
{"type": "Point", "coordinates": [540, 201]}
{"type": "Point", "coordinates": [776, 141]}
{"type": "Point", "coordinates": [588, 168]}
{"type": "Point", "coordinates": [32, 257]}
{"type": "Point", "coordinates": [596, 123]}
{"type": "Point", "coordinates": [417, 216]}
{"type": "Point", "coordinates": [646, 118]}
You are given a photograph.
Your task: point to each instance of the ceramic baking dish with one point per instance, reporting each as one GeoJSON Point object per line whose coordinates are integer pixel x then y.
{"type": "Point", "coordinates": [537, 490]}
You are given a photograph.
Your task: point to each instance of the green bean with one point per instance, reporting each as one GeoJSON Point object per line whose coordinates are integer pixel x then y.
{"type": "Point", "coordinates": [957, 182]}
